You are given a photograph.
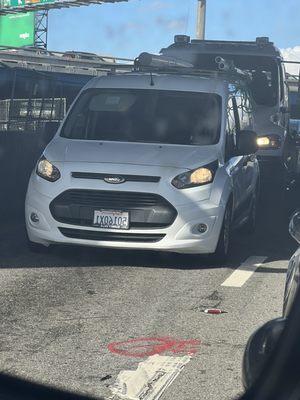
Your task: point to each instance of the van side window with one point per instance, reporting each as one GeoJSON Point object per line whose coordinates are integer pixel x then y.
{"type": "Point", "coordinates": [232, 127]}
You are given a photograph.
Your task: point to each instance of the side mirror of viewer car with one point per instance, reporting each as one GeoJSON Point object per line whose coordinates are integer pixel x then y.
{"type": "Point", "coordinates": [294, 226]}
{"type": "Point", "coordinates": [259, 348]}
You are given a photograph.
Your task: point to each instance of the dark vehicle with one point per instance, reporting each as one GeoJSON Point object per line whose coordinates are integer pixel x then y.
{"type": "Point", "coordinates": [293, 272]}
{"type": "Point", "coordinates": [35, 50]}
{"type": "Point", "coordinates": [295, 127]}
{"type": "Point", "coordinates": [82, 55]}
{"type": "Point", "coordinates": [295, 133]}
{"type": "Point", "coordinates": [294, 108]}
{"type": "Point", "coordinates": [294, 93]}
{"type": "Point", "coordinates": [294, 103]}
{"type": "Point", "coordinates": [264, 64]}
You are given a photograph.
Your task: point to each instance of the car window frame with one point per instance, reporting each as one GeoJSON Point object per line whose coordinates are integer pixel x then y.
{"type": "Point", "coordinates": [231, 137]}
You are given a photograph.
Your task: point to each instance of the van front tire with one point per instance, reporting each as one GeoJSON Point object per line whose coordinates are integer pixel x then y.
{"type": "Point", "coordinates": [224, 242]}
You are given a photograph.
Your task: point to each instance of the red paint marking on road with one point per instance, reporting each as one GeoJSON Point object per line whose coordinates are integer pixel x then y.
{"type": "Point", "coordinates": [214, 311]}
{"type": "Point", "coordinates": [146, 347]}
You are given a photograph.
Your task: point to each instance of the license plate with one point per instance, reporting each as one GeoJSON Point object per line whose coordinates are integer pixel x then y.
{"type": "Point", "coordinates": [110, 219]}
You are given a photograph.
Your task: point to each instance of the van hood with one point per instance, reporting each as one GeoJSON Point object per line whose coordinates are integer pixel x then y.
{"type": "Point", "coordinates": [66, 150]}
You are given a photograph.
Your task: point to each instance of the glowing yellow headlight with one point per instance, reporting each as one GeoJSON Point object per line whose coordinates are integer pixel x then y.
{"type": "Point", "coordinates": [263, 141]}
{"type": "Point", "coordinates": [201, 175]}
{"type": "Point", "coordinates": [47, 171]}
{"type": "Point", "coordinates": [45, 168]}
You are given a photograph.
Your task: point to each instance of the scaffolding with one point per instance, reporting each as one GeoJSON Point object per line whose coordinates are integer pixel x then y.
{"type": "Point", "coordinates": [41, 29]}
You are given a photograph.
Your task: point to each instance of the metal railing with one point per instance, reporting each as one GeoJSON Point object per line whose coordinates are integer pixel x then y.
{"type": "Point", "coordinates": [65, 62]}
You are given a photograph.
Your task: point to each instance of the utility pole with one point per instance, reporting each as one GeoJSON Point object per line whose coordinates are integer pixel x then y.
{"type": "Point", "coordinates": [201, 17]}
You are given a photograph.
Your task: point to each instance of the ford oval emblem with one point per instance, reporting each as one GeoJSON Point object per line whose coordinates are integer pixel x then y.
{"type": "Point", "coordinates": [115, 180]}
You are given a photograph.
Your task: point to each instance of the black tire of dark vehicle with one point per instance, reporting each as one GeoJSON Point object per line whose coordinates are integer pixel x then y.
{"type": "Point", "coordinates": [224, 242]}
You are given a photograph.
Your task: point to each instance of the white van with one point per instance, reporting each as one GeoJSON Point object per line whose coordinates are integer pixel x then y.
{"type": "Point", "coordinates": [157, 161]}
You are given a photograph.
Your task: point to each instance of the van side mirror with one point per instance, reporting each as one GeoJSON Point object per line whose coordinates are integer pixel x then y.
{"type": "Point", "coordinates": [246, 143]}
{"type": "Point", "coordinates": [259, 348]}
{"type": "Point", "coordinates": [294, 226]}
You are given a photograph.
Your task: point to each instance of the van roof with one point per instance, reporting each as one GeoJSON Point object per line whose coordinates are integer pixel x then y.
{"type": "Point", "coordinates": [161, 81]}
{"type": "Point", "coordinates": [260, 47]}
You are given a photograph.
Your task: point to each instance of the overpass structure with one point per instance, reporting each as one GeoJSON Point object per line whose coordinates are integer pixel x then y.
{"type": "Point", "coordinates": [23, 6]}
{"type": "Point", "coordinates": [63, 62]}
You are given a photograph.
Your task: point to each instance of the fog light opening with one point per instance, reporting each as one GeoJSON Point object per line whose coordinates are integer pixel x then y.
{"type": "Point", "coordinates": [202, 228]}
{"type": "Point", "coordinates": [34, 217]}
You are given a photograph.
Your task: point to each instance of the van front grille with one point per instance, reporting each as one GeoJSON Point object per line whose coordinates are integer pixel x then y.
{"type": "Point", "coordinates": [146, 210]}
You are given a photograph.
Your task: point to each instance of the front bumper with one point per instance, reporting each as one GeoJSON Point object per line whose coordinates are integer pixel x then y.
{"type": "Point", "coordinates": [181, 237]}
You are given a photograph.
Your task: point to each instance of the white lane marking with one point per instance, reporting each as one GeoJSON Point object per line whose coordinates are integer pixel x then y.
{"type": "Point", "coordinates": [151, 378]}
{"type": "Point", "coordinates": [244, 272]}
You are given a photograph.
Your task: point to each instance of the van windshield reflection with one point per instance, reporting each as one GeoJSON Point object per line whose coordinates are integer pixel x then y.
{"type": "Point", "coordinates": [148, 116]}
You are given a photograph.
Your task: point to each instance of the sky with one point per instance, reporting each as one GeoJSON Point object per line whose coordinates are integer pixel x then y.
{"type": "Point", "coordinates": [128, 28]}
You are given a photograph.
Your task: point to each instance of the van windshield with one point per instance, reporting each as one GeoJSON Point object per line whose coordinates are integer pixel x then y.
{"type": "Point", "coordinates": [148, 116]}
{"type": "Point", "coordinates": [264, 70]}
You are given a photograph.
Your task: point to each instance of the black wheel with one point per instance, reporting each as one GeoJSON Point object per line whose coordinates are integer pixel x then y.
{"type": "Point", "coordinates": [223, 247]}
{"type": "Point", "coordinates": [37, 247]}
{"type": "Point", "coordinates": [250, 226]}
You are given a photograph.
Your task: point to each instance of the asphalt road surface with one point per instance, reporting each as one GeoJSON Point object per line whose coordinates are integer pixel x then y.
{"type": "Point", "coordinates": [62, 313]}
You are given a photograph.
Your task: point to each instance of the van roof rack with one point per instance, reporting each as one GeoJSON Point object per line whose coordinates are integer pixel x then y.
{"type": "Point", "coordinates": [147, 62]}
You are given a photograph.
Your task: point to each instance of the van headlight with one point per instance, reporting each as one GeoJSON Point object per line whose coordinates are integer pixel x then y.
{"type": "Point", "coordinates": [46, 170]}
{"type": "Point", "coordinates": [269, 142]}
{"type": "Point", "coordinates": [197, 177]}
